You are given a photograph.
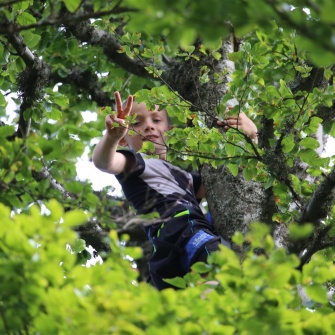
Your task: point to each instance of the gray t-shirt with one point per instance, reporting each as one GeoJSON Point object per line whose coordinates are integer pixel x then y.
{"type": "Point", "coordinates": [155, 185]}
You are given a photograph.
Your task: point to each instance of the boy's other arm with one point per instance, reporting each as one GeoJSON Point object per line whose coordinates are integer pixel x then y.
{"type": "Point", "coordinates": [241, 122]}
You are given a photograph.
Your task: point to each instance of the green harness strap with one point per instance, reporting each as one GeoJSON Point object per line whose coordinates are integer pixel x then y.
{"type": "Point", "coordinates": [186, 212]}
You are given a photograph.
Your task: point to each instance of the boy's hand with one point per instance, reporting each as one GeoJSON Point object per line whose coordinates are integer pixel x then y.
{"type": "Point", "coordinates": [242, 122]}
{"type": "Point", "coordinates": [119, 132]}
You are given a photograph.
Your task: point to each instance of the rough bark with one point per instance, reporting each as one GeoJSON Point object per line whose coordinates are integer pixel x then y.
{"type": "Point", "coordinates": [233, 202]}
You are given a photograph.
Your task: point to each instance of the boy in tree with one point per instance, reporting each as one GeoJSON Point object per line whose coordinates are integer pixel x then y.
{"type": "Point", "coordinates": [183, 236]}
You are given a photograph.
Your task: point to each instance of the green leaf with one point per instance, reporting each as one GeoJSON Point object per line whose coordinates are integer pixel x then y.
{"type": "Point", "coordinates": [148, 147]}
{"type": "Point", "coordinates": [236, 56]}
{"type": "Point", "coordinates": [259, 49]}
{"type": "Point", "coordinates": [216, 55]}
{"type": "Point", "coordinates": [55, 114]}
{"type": "Point", "coordinates": [250, 171]}
{"type": "Point", "coordinates": [201, 267]}
{"type": "Point", "coordinates": [13, 201]}
{"type": "Point", "coordinates": [31, 39]}
{"type": "Point", "coordinates": [75, 217]}
{"type": "Point", "coordinates": [25, 19]}
{"type": "Point", "coordinates": [310, 157]}
{"type": "Point", "coordinates": [61, 100]}
{"type": "Point", "coordinates": [72, 5]}
{"type": "Point", "coordinates": [36, 149]}
{"type": "Point", "coordinates": [2, 100]}
{"type": "Point", "coordinates": [332, 130]}
{"type": "Point", "coordinates": [317, 292]}
{"type": "Point", "coordinates": [233, 168]}
{"type": "Point", "coordinates": [134, 252]}
{"type": "Point", "coordinates": [284, 90]}
{"type": "Point", "coordinates": [55, 208]}
{"type": "Point", "coordinates": [238, 238]}
{"type": "Point", "coordinates": [298, 232]}
{"type": "Point", "coordinates": [92, 199]}
{"type": "Point", "coordinates": [288, 143]}
{"type": "Point", "coordinates": [326, 12]}
{"type": "Point", "coordinates": [272, 91]}
{"type": "Point", "coordinates": [78, 246]}
{"type": "Point", "coordinates": [74, 187]}
{"type": "Point", "coordinates": [6, 131]}
{"type": "Point", "coordinates": [268, 182]}
{"type": "Point", "coordinates": [191, 328]}
{"type": "Point", "coordinates": [309, 143]}
{"type": "Point", "coordinates": [313, 125]}
{"type": "Point", "coordinates": [177, 282]}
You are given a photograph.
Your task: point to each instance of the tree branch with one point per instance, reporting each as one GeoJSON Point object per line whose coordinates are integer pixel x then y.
{"type": "Point", "coordinates": [22, 50]}
{"type": "Point", "coordinates": [111, 46]}
{"type": "Point", "coordinates": [315, 79]}
{"type": "Point", "coordinates": [30, 81]}
{"type": "Point", "coordinates": [311, 34]}
{"type": "Point", "coordinates": [317, 245]}
{"type": "Point", "coordinates": [81, 27]}
{"type": "Point", "coordinates": [57, 19]}
{"type": "Point", "coordinates": [45, 174]}
{"type": "Point", "coordinates": [87, 81]}
{"type": "Point", "coordinates": [317, 208]}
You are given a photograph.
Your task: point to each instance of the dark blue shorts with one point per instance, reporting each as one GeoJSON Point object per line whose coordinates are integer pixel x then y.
{"type": "Point", "coordinates": [179, 243]}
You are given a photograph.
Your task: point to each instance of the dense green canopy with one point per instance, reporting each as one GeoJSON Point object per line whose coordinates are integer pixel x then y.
{"type": "Point", "coordinates": [269, 59]}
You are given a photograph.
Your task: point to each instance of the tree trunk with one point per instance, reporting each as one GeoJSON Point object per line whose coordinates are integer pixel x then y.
{"type": "Point", "coordinates": [233, 202]}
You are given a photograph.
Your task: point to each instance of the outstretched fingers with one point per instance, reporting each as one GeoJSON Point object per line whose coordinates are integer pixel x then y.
{"type": "Point", "coordinates": [121, 111]}
{"type": "Point", "coordinates": [118, 103]}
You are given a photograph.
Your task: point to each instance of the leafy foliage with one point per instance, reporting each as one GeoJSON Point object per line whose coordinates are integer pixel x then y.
{"type": "Point", "coordinates": [64, 59]}
{"type": "Point", "coordinates": [45, 290]}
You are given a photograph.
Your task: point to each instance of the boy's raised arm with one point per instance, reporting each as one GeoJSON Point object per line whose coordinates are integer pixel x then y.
{"type": "Point", "coordinates": [105, 157]}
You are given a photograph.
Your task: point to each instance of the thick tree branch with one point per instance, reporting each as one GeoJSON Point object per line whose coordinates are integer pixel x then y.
{"type": "Point", "coordinates": [302, 28]}
{"type": "Point", "coordinates": [86, 81]}
{"type": "Point", "coordinates": [315, 79]}
{"type": "Point", "coordinates": [81, 27]}
{"type": "Point", "coordinates": [58, 19]}
{"type": "Point", "coordinates": [91, 232]}
{"type": "Point", "coordinates": [277, 165]}
{"type": "Point", "coordinates": [266, 132]}
{"type": "Point", "coordinates": [38, 74]}
{"type": "Point", "coordinates": [318, 243]}
{"type": "Point", "coordinates": [328, 244]}
{"type": "Point", "coordinates": [22, 50]}
{"type": "Point", "coordinates": [318, 206]}
{"type": "Point", "coordinates": [94, 235]}
{"type": "Point", "coordinates": [30, 81]}
{"type": "Point", "coordinates": [45, 174]}
{"type": "Point", "coordinates": [111, 46]}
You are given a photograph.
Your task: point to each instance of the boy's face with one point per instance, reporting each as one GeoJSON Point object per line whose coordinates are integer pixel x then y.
{"type": "Point", "coordinates": [149, 126]}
